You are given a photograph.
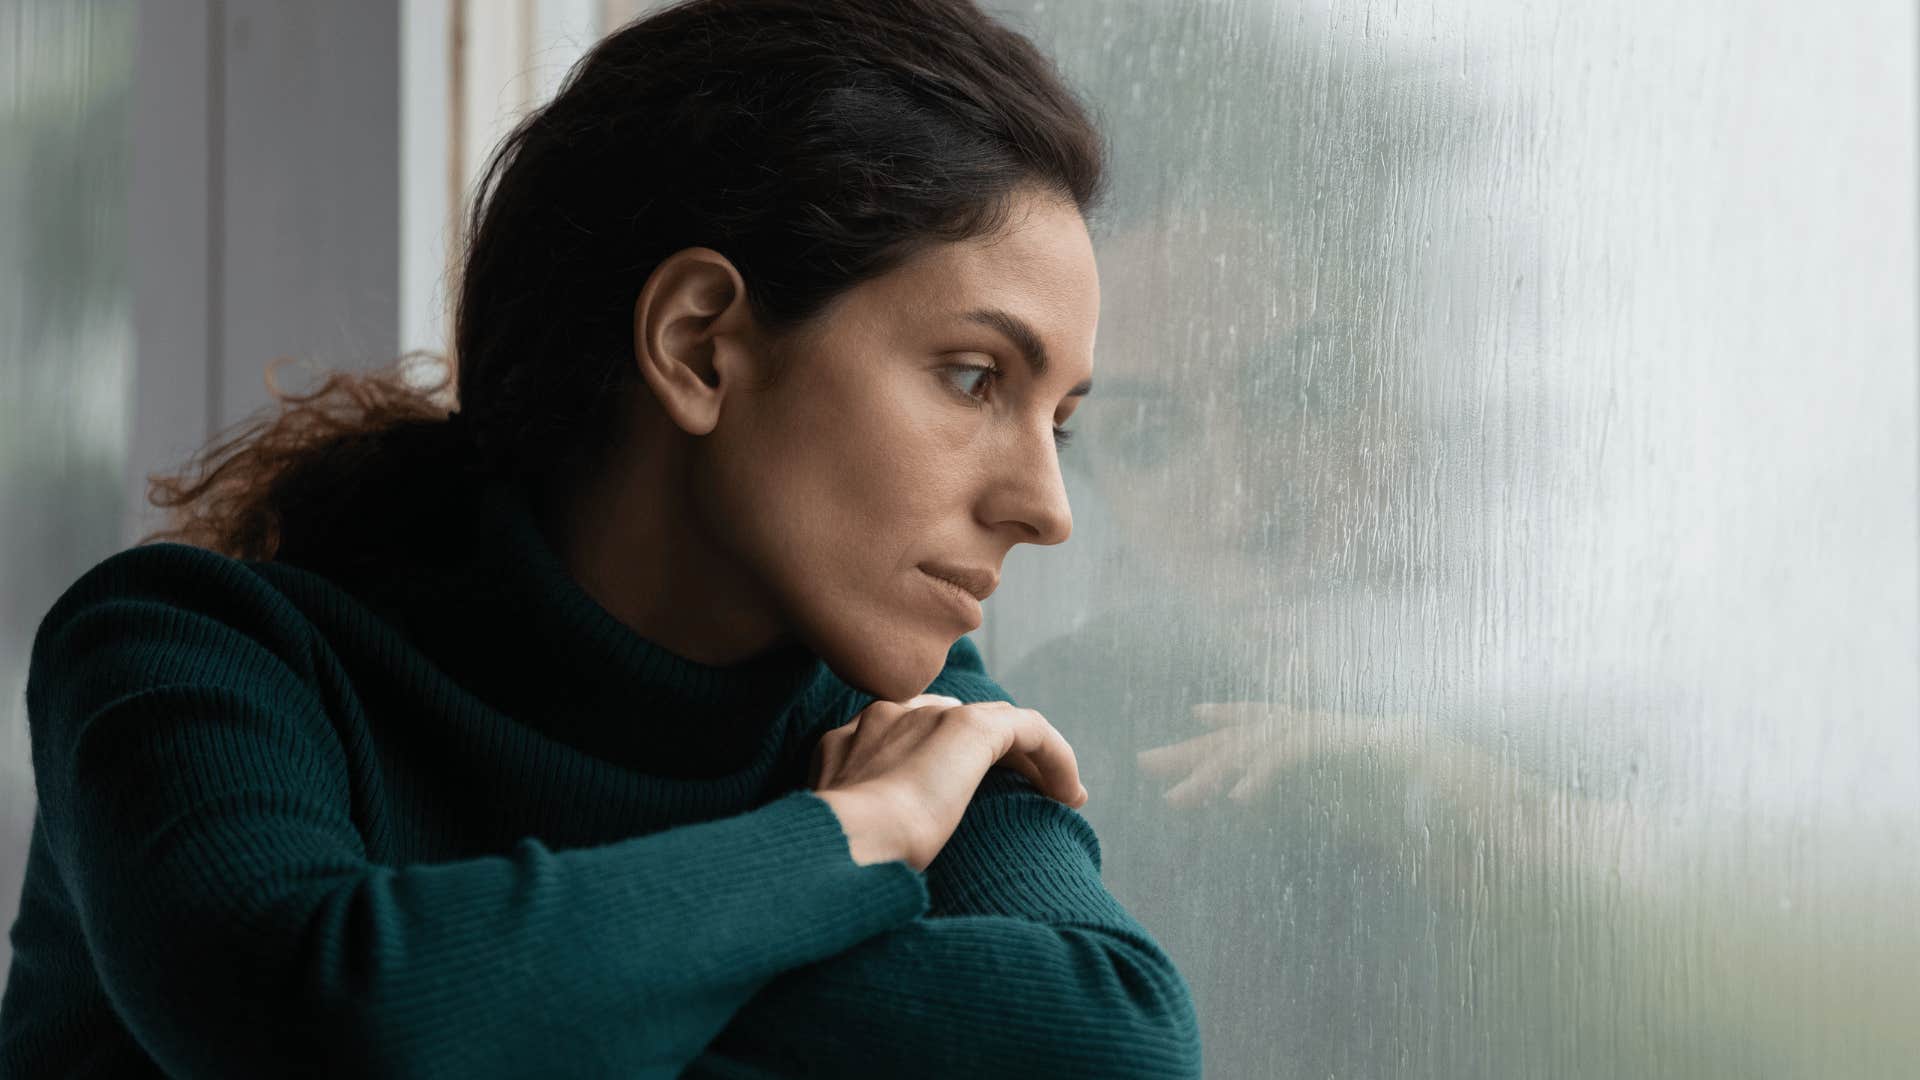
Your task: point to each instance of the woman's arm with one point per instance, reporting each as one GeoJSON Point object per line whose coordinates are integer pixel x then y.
{"type": "Point", "coordinates": [970, 996]}
{"type": "Point", "coordinates": [196, 796]}
{"type": "Point", "coordinates": [1025, 965]}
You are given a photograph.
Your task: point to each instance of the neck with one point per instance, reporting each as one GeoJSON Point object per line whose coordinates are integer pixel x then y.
{"type": "Point", "coordinates": [629, 534]}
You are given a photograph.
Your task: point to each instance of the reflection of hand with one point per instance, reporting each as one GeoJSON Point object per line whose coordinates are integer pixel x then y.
{"type": "Point", "coordinates": [1251, 742]}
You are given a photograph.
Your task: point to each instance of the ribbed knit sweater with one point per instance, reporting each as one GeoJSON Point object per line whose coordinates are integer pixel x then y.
{"type": "Point", "coordinates": [468, 824]}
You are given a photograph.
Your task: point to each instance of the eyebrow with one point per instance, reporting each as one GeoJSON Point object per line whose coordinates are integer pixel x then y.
{"type": "Point", "coordinates": [1024, 339]}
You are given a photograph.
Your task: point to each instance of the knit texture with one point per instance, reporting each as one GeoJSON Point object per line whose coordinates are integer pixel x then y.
{"type": "Point", "coordinates": [460, 821]}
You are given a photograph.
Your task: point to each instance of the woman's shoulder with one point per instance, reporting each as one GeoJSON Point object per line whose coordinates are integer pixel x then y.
{"type": "Point", "coordinates": [173, 574]}
{"type": "Point", "coordinates": [164, 607]}
{"type": "Point", "coordinates": [168, 574]}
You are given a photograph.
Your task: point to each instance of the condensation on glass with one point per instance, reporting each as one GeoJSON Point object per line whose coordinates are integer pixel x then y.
{"type": "Point", "coordinates": [1489, 634]}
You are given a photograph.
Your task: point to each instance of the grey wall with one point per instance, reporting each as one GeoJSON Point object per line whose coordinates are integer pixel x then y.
{"type": "Point", "coordinates": [266, 211]}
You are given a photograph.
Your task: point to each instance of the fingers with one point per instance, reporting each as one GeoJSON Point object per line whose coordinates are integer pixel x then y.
{"type": "Point", "coordinates": [1278, 751]}
{"type": "Point", "coordinates": [1260, 777]}
{"type": "Point", "coordinates": [1048, 752]}
{"type": "Point", "coordinates": [1022, 740]}
{"type": "Point", "coordinates": [1220, 713]}
{"type": "Point", "coordinates": [1205, 782]}
{"type": "Point", "coordinates": [1026, 742]}
{"type": "Point", "coordinates": [1244, 760]}
{"type": "Point", "coordinates": [1021, 764]}
{"type": "Point", "coordinates": [1177, 759]}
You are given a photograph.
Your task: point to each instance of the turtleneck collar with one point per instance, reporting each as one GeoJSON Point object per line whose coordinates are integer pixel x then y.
{"type": "Point", "coordinates": [524, 634]}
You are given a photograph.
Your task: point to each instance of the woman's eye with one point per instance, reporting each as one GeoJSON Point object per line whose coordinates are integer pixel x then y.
{"type": "Point", "coordinates": [975, 371]}
{"type": "Point", "coordinates": [989, 373]}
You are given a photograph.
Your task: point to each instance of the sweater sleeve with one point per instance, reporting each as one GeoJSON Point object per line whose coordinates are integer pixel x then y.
{"type": "Point", "coordinates": [199, 803]}
{"type": "Point", "coordinates": [1024, 965]}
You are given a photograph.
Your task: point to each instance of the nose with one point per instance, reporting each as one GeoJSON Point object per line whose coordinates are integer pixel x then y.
{"type": "Point", "coordinates": [1030, 491]}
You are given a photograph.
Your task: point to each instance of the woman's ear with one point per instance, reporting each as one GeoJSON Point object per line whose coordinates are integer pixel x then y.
{"type": "Point", "coordinates": [693, 335]}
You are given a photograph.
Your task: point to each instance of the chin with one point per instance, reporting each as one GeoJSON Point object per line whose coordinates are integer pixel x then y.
{"type": "Point", "coordinates": [891, 668]}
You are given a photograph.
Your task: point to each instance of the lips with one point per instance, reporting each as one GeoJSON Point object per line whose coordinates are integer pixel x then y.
{"type": "Point", "coordinates": [978, 582]}
{"type": "Point", "coordinates": [955, 599]}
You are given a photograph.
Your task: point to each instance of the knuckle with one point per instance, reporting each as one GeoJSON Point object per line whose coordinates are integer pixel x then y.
{"type": "Point", "coordinates": [983, 723]}
{"type": "Point", "coordinates": [978, 717]}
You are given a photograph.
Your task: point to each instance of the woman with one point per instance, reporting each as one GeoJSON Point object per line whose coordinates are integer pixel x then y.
{"type": "Point", "coordinates": [615, 725]}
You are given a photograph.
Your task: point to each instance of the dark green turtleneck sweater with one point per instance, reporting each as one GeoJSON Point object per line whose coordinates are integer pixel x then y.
{"type": "Point", "coordinates": [462, 822]}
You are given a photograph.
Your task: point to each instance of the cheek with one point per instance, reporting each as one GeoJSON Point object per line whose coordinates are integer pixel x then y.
{"type": "Point", "coordinates": [832, 504]}
{"type": "Point", "coordinates": [872, 504]}
{"type": "Point", "coordinates": [867, 456]}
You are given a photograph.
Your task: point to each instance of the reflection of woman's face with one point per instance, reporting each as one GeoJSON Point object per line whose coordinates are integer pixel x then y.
{"type": "Point", "coordinates": [884, 447]}
{"type": "Point", "coordinates": [1230, 456]}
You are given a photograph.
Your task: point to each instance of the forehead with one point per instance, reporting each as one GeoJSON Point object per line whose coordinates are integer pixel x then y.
{"type": "Point", "coordinates": [1040, 268]}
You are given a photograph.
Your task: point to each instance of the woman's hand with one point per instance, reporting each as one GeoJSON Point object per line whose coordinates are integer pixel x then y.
{"type": "Point", "coordinates": [1251, 742]}
{"type": "Point", "coordinates": [901, 775]}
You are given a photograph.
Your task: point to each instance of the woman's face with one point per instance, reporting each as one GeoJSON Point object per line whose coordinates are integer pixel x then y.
{"type": "Point", "coordinates": [878, 453]}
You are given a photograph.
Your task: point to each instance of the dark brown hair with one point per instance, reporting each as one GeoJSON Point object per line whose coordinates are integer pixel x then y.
{"type": "Point", "coordinates": [815, 143]}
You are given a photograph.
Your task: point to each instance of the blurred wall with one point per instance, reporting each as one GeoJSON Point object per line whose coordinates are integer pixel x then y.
{"type": "Point", "coordinates": [66, 341]}
{"type": "Point", "coordinates": [265, 211]}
